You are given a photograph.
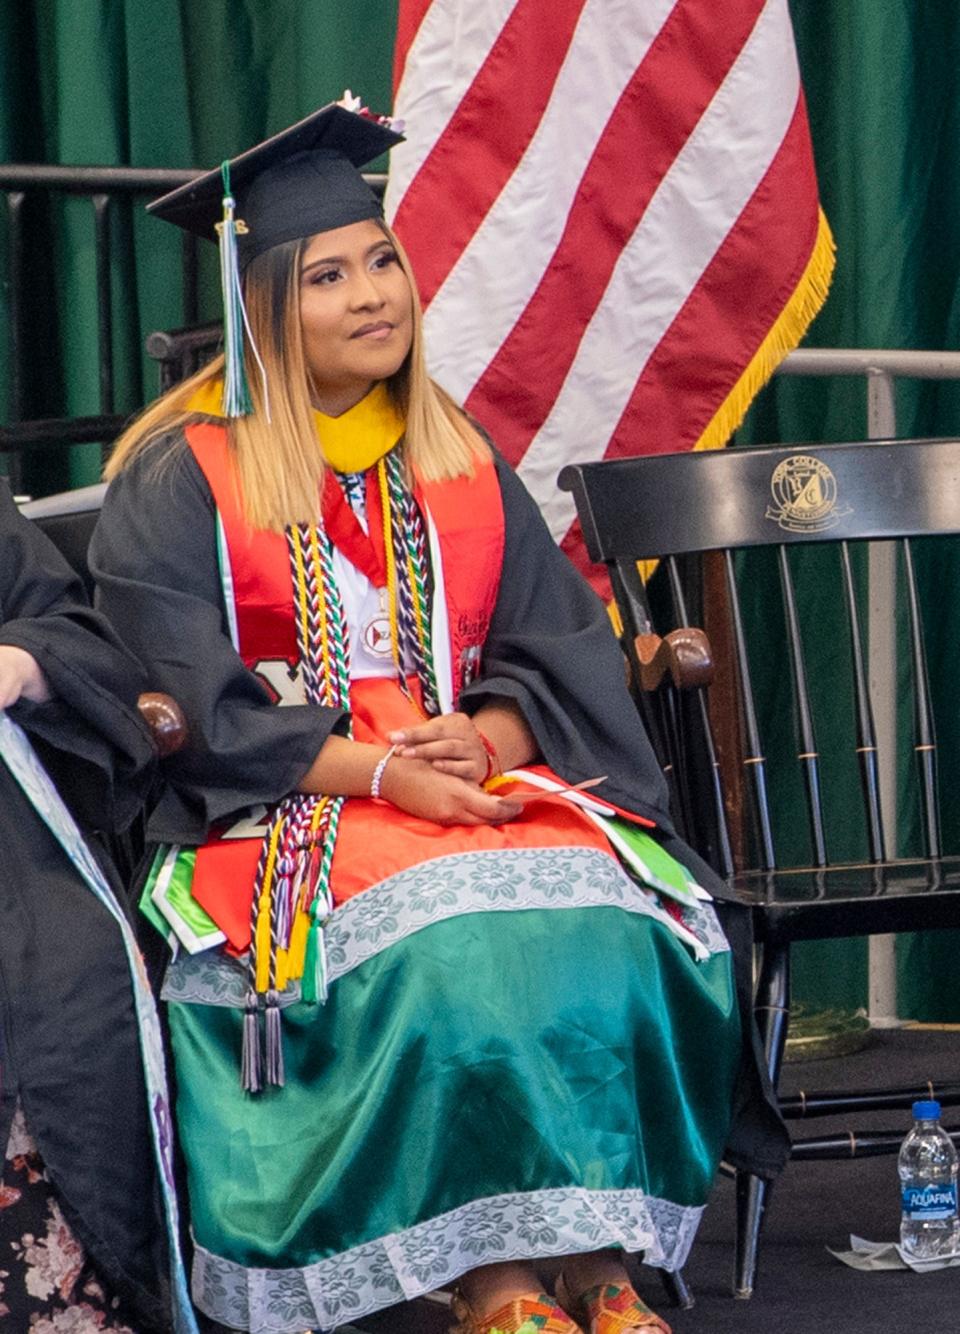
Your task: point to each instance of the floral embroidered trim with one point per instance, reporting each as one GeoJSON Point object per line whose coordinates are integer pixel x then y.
{"type": "Point", "coordinates": [503, 881]}
{"type": "Point", "coordinates": [402, 1265]}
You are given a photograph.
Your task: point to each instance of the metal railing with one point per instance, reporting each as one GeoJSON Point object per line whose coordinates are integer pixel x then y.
{"type": "Point", "coordinates": [107, 189]}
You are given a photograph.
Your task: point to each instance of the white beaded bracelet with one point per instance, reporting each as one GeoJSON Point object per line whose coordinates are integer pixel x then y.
{"type": "Point", "coordinates": [378, 773]}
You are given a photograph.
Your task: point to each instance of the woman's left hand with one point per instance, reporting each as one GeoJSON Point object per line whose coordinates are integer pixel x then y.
{"type": "Point", "coordinates": [20, 677]}
{"type": "Point", "coordinates": [450, 743]}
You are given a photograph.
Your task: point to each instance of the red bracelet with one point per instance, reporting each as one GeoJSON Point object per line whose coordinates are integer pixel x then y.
{"type": "Point", "coordinates": [493, 759]}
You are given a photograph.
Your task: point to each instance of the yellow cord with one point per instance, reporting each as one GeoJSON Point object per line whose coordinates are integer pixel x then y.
{"type": "Point", "coordinates": [390, 559]}
{"type": "Point", "coordinates": [264, 913]}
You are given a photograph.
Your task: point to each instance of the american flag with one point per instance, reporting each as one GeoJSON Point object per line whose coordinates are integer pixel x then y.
{"type": "Point", "coordinates": [612, 210]}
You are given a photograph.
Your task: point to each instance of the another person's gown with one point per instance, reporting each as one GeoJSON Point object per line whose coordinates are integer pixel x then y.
{"type": "Point", "coordinates": [77, 1178]}
{"type": "Point", "coordinates": [519, 1057]}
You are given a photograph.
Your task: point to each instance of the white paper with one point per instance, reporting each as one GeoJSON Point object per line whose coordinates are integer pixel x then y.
{"type": "Point", "coordinates": [877, 1255]}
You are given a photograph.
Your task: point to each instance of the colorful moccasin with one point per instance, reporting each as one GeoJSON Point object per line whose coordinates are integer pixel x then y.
{"type": "Point", "coordinates": [521, 1315]}
{"type": "Point", "coordinates": [610, 1308]}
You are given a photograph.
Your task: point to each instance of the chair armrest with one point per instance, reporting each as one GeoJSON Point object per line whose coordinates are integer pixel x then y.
{"type": "Point", "coordinates": [684, 654]}
{"type": "Point", "coordinates": [164, 717]}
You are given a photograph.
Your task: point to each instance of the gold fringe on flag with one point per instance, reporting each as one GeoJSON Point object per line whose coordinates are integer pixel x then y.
{"type": "Point", "coordinates": [783, 336]}
{"type": "Point", "coordinates": [785, 333]}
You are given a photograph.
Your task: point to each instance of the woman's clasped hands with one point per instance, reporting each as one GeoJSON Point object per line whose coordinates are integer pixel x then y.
{"type": "Point", "coordinates": [437, 772]}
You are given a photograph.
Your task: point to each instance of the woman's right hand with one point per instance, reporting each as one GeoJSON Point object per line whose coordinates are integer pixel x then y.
{"type": "Point", "coordinates": [416, 787]}
{"type": "Point", "coordinates": [20, 677]}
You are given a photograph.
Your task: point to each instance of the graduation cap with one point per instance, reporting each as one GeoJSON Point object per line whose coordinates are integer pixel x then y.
{"type": "Point", "coordinates": [304, 180]}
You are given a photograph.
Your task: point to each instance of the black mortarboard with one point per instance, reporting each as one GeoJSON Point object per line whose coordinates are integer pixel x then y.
{"type": "Point", "coordinates": [302, 181]}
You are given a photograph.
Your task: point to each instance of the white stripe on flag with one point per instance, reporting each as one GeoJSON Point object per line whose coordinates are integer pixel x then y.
{"type": "Point", "coordinates": [471, 314]}
{"type": "Point", "coordinates": [727, 155]}
{"type": "Point", "coordinates": [449, 49]}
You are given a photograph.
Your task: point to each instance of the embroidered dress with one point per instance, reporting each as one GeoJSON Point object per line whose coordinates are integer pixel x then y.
{"type": "Point", "coordinates": [526, 1049]}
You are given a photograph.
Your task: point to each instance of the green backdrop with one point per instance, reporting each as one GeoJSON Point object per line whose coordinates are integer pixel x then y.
{"type": "Point", "coordinates": [881, 84]}
{"type": "Point", "coordinates": [187, 82]}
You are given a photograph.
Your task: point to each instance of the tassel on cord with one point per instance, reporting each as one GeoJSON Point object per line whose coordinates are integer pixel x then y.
{"type": "Point", "coordinates": [313, 984]}
{"type": "Point", "coordinates": [274, 1048]}
{"type": "Point", "coordinates": [251, 1065]}
{"type": "Point", "coordinates": [236, 390]}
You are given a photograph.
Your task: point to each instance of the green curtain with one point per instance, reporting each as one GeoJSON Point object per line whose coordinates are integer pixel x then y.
{"type": "Point", "coordinates": [187, 82]}
{"type": "Point", "coordinates": [150, 83]}
{"type": "Point", "coordinates": [881, 83]}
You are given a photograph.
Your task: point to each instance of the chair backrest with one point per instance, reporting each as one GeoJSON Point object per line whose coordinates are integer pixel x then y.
{"type": "Point", "coordinates": [68, 519]}
{"type": "Point", "coordinates": [797, 634]}
{"type": "Point", "coordinates": [181, 352]}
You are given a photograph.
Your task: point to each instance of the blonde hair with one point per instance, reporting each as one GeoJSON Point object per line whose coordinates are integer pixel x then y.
{"type": "Point", "coordinates": [279, 463]}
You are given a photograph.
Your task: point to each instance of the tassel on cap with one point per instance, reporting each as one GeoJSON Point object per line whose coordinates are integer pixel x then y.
{"type": "Point", "coordinates": [236, 390]}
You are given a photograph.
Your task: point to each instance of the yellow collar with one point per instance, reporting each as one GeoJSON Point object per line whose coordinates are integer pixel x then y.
{"type": "Point", "coordinates": [352, 442]}
{"type": "Point", "coordinates": [356, 439]}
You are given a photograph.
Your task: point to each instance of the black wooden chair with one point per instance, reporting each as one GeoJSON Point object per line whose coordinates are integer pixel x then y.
{"type": "Point", "coordinates": [704, 516]}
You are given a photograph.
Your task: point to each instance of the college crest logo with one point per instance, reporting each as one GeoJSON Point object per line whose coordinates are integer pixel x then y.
{"type": "Point", "coordinates": [805, 491]}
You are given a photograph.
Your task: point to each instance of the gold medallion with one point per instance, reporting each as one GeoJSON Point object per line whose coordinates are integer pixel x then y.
{"type": "Point", "coordinates": [805, 491]}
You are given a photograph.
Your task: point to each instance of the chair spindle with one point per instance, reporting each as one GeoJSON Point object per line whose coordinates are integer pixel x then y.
{"type": "Point", "coordinates": [723, 845]}
{"type": "Point", "coordinates": [101, 224]}
{"type": "Point", "coordinates": [866, 732]}
{"type": "Point", "coordinates": [754, 761]}
{"type": "Point", "coordinates": [629, 596]}
{"type": "Point", "coordinates": [925, 744]}
{"type": "Point", "coordinates": [808, 755]}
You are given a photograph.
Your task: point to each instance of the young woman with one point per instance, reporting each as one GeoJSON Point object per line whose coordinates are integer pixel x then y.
{"type": "Point", "coordinates": [432, 1023]}
{"type": "Point", "coordinates": [82, 1245]}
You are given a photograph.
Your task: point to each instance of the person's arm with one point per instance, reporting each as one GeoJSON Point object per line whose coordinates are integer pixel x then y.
{"type": "Point", "coordinates": [551, 655]}
{"type": "Point", "coordinates": [154, 559]}
{"type": "Point", "coordinates": [67, 680]}
{"type": "Point", "coordinates": [346, 768]}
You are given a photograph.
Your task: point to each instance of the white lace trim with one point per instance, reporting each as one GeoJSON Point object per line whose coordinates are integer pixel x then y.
{"type": "Point", "coordinates": [403, 1265]}
{"type": "Point", "coordinates": [445, 887]}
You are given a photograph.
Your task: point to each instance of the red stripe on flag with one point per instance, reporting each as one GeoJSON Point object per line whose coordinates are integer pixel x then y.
{"type": "Point", "coordinates": [681, 388]}
{"type": "Point", "coordinates": [658, 110]}
{"type": "Point", "coordinates": [409, 18]}
{"type": "Point", "coordinates": [484, 139]}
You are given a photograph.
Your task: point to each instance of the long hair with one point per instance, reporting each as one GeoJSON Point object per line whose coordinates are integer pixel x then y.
{"type": "Point", "coordinates": [279, 462]}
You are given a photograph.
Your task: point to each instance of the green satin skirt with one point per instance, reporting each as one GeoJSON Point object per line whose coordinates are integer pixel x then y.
{"type": "Point", "coordinates": [495, 1085]}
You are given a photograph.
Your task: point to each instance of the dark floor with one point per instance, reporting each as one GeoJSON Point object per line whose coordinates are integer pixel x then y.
{"type": "Point", "coordinates": [801, 1288]}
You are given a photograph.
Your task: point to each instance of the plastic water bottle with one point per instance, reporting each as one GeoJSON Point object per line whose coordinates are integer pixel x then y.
{"type": "Point", "coordinates": [929, 1227]}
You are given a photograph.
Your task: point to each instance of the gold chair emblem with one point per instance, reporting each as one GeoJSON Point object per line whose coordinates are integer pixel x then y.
{"type": "Point", "coordinates": [805, 491]}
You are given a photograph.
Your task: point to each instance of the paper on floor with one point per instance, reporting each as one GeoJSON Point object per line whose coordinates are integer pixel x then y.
{"type": "Point", "coordinates": [888, 1255]}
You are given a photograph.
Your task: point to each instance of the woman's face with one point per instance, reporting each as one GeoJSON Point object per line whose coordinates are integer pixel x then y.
{"type": "Point", "coordinates": [356, 313]}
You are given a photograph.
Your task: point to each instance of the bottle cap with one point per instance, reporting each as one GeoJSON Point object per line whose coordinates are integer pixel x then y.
{"type": "Point", "coordinates": [926, 1111]}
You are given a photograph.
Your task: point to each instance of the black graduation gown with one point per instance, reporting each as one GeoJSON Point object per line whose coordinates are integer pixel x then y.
{"type": "Point", "coordinates": [549, 648]}
{"type": "Point", "coordinates": [69, 1046]}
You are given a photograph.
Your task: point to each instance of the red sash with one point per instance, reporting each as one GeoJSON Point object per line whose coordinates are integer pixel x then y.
{"type": "Point", "coordinates": [467, 515]}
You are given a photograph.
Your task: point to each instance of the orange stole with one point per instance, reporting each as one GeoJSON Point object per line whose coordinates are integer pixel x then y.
{"type": "Point", "coordinates": [467, 513]}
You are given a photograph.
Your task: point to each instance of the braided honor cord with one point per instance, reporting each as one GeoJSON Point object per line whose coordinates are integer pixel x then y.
{"type": "Point", "coordinates": [291, 899]}
{"type": "Point", "coordinates": [405, 533]}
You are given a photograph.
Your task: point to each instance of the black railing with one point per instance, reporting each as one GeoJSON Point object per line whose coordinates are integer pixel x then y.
{"type": "Point", "coordinates": [105, 187]}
